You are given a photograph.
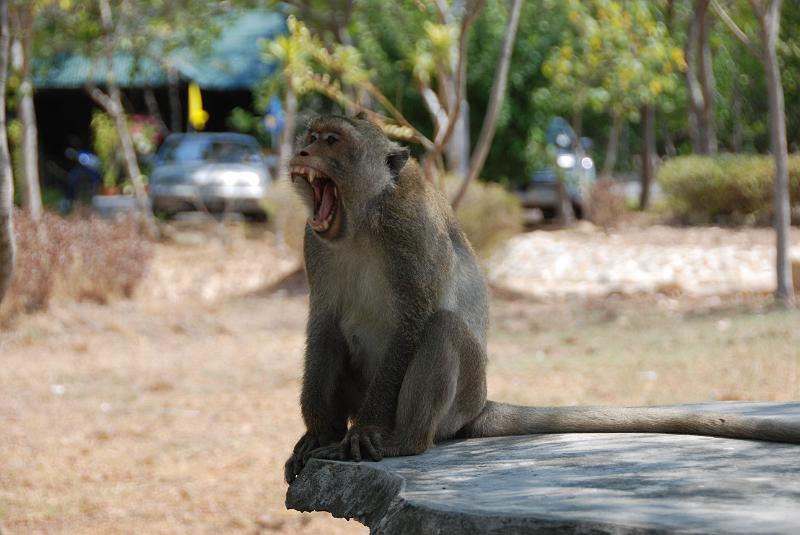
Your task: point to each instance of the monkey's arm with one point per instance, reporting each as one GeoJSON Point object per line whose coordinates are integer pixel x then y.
{"type": "Point", "coordinates": [324, 411]}
{"type": "Point", "coordinates": [419, 256]}
{"type": "Point", "coordinates": [375, 419]}
{"type": "Point", "coordinates": [416, 275]}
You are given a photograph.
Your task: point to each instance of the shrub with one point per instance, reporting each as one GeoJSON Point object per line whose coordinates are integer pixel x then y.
{"type": "Point", "coordinates": [75, 258]}
{"type": "Point", "coordinates": [730, 188]}
{"type": "Point", "coordinates": [489, 215]}
{"type": "Point", "coordinates": [106, 145]}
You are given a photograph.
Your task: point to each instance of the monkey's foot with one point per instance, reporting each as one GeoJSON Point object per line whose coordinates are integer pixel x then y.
{"type": "Point", "coordinates": [367, 438]}
{"type": "Point", "coordinates": [307, 443]}
{"type": "Point", "coordinates": [333, 452]}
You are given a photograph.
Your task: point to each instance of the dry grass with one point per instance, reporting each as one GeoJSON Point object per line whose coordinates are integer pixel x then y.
{"type": "Point", "coordinates": [606, 204]}
{"type": "Point", "coordinates": [82, 258]}
{"type": "Point", "coordinates": [632, 352]}
{"type": "Point", "coordinates": [175, 415]}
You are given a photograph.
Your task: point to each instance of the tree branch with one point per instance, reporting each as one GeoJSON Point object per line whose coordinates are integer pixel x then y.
{"type": "Point", "coordinates": [399, 117]}
{"type": "Point", "coordinates": [734, 28]}
{"type": "Point", "coordinates": [443, 136]}
{"type": "Point", "coordinates": [434, 106]}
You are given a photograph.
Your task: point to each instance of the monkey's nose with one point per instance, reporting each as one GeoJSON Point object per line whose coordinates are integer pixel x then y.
{"type": "Point", "coordinates": [303, 153]}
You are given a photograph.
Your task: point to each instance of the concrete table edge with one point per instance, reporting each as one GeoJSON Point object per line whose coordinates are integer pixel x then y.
{"type": "Point", "coordinates": [377, 494]}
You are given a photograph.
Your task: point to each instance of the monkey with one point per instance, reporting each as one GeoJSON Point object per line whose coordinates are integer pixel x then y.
{"type": "Point", "coordinates": [395, 357]}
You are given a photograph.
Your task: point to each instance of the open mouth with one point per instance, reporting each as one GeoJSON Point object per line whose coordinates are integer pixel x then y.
{"type": "Point", "coordinates": [326, 196]}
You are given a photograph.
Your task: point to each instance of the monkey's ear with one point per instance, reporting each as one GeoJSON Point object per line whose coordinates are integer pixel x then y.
{"type": "Point", "coordinates": [396, 159]}
{"type": "Point", "coordinates": [361, 115]}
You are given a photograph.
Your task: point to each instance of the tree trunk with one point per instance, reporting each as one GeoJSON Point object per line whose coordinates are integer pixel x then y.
{"type": "Point", "coordinates": [736, 112]}
{"type": "Point", "coordinates": [693, 87]}
{"type": "Point", "coordinates": [564, 210]}
{"type": "Point", "coordinates": [175, 112]}
{"type": "Point", "coordinates": [770, 27]}
{"type": "Point", "coordinates": [612, 149]}
{"type": "Point", "coordinates": [287, 136]}
{"type": "Point", "coordinates": [7, 245]}
{"type": "Point", "coordinates": [31, 189]}
{"type": "Point", "coordinates": [648, 154]}
{"type": "Point", "coordinates": [706, 72]}
{"type": "Point", "coordinates": [577, 122]}
{"type": "Point", "coordinates": [32, 193]}
{"type": "Point", "coordinates": [701, 89]}
{"type": "Point", "coordinates": [457, 150]}
{"type": "Point", "coordinates": [495, 103]}
{"type": "Point", "coordinates": [669, 145]}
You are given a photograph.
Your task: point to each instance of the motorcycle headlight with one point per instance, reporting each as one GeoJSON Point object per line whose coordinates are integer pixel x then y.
{"type": "Point", "coordinates": [565, 161]}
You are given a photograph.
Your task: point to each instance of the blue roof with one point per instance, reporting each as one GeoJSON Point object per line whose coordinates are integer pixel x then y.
{"type": "Point", "coordinates": [235, 61]}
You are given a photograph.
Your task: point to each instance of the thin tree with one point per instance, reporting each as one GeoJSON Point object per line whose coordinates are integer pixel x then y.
{"type": "Point", "coordinates": [111, 102]}
{"type": "Point", "coordinates": [768, 13]}
{"type": "Point", "coordinates": [7, 246]}
{"type": "Point", "coordinates": [700, 81]}
{"type": "Point", "coordinates": [481, 150]}
{"type": "Point", "coordinates": [648, 118]}
{"type": "Point", "coordinates": [22, 15]}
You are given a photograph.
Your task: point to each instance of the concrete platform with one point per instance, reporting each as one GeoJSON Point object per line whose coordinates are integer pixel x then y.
{"type": "Point", "coordinates": [578, 483]}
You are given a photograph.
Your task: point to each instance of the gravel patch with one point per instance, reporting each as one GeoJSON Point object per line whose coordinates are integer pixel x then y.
{"type": "Point", "coordinates": [586, 261]}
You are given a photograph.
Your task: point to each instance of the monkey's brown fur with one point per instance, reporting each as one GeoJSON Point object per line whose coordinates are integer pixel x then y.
{"type": "Point", "coordinates": [398, 316]}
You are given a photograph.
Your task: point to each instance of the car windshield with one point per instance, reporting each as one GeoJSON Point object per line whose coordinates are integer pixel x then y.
{"type": "Point", "coordinates": [192, 149]}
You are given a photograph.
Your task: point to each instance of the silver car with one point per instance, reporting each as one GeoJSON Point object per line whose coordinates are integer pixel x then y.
{"type": "Point", "coordinates": [212, 172]}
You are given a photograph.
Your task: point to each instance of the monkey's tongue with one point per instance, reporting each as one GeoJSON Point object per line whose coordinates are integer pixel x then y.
{"type": "Point", "coordinates": [327, 202]}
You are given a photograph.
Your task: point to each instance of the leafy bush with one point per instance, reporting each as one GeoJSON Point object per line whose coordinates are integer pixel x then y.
{"type": "Point", "coordinates": [489, 215]}
{"type": "Point", "coordinates": [75, 258]}
{"type": "Point", "coordinates": [730, 188]}
{"type": "Point", "coordinates": [106, 145]}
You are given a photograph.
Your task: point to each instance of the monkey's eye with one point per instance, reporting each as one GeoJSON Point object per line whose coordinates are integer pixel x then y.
{"type": "Point", "coordinates": [330, 139]}
{"type": "Point", "coordinates": [313, 137]}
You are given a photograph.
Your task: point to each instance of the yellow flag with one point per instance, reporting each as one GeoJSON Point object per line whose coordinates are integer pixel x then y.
{"type": "Point", "coordinates": [197, 115]}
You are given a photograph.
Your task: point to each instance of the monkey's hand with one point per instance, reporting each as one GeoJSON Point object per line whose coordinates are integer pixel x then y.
{"type": "Point", "coordinates": [366, 438]}
{"type": "Point", "coordinates": [307, 444]}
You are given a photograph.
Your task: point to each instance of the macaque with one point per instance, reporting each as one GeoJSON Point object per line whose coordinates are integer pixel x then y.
{"type": "Point", "coordinates": [396, 339]}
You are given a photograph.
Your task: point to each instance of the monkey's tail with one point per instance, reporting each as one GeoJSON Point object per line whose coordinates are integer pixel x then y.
{"type": "Point", "coordinates": [501, 419]}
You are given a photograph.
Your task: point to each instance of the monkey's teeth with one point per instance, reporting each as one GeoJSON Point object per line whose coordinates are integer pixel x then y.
{"type": "Point", "coordinates": [311, 176]}
{"type": "Point", "coordinates": [321, 226]}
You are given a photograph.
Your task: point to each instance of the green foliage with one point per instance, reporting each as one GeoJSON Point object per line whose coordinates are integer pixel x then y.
{"type": "Point", "coordinates": [515, 152]}
{"type": "Point", "coordinates": [489, 215]}
{"type": "Point", "coordinates": [105, 143]}
{"type": "Point", "coordinates": [144, 28]}
{"type": "Point", "coordinates": [613, 57]}
{"type": "Point", "coordinates": [789, 58]}
{"type": "Point", "coordinates": [246, 122]}
{"type": "Point", "coordinates": [310, 67]}
{"type": "Point", "coordinates": [393, 50]}
{"type": "Point", "coordinates": [724, 189]}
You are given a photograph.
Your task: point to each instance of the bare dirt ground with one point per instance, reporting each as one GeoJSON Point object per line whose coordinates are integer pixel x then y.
{"type": "Point", "coordinates": [173, 412]}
